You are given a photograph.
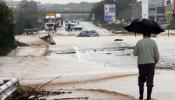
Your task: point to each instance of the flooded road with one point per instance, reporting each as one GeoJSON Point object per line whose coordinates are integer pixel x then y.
{"type": "Point", "coordinates": [70, 58]}
{"type": "Point", "coordinates": [89, 94]}
{"type": "Point", "coordinates": [81, 60]}
{"type": "Point", "coordinates": [98, 49]}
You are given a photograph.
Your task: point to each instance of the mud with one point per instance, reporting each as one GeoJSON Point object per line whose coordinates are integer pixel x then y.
{"type": "Point", "coordinates": [51, 84]}
{"type": "Point", "coordinates": [83, 94]}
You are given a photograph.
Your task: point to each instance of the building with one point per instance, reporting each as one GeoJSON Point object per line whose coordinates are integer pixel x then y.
{"type": "Point", "coordinates": [173, 7]}
{"type": "Point", "coordinates": [168, 2]}
{"type": "Point", "coordinates": [156, 10]}
{"type": "Point", "coordinates": [12, 4]}
{"type": "Point", "coordinates": [168, 10]}
{"type": "Point", "coordinates": [136, 10]}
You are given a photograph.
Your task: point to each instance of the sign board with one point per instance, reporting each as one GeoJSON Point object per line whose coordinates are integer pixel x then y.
{"type": "Point", "coordinates": [107, 18]}
{"type": "Point", "coordinates": [145, 9]}
{"type": "Point", "coordinates": [50, 14]}
{"type": "Point", "coordinates": [109, 12]}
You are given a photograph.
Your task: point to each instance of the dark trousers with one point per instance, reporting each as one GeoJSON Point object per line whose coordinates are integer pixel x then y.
{"type": "Point", "coordinates": [146, 74]}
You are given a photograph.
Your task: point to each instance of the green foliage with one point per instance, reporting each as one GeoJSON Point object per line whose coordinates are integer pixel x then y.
{"type": "Point", "coordinates": [27, 16]}
{"type": "Point", "coordinates": [172, 23]}
{"type": "Point", "coordinates": [99, 10]}
{"type": "Point", "coordinates": [126, 14]}
{"type": "Point", "coordinates": [7, 41]}
{"type": "Point", "coordinates": [124, 9]}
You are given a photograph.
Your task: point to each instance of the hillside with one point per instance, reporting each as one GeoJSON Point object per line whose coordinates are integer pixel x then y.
{"type": "Point", "coordinates": [70, 7]}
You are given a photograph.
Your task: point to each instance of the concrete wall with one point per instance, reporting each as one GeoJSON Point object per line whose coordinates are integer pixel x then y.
{"type": "Point", "coordinates": [157, 2]}
{"type": "Point", "coordinates": [137, 11]}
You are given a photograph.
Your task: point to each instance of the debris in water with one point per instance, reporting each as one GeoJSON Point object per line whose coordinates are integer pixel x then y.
{"type": "Point", "coordinates": [118, 40]}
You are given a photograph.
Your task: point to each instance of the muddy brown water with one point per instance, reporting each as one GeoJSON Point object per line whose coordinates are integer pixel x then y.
{"type": "Point", "coordinates": [88, 94]}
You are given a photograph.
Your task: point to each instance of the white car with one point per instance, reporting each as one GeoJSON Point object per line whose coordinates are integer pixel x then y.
{"type": "Point", "coordinates": [115, 22]}
{"type": "Point", "coordinates": [73, 26]}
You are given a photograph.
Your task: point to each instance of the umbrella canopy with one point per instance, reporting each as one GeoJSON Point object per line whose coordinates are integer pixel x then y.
{"type": "Point", "coordinates": [144, 26]}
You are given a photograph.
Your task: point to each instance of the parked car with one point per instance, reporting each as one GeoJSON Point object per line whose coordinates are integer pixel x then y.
{"type": "Point", "coordinates": [94, 33]}
{"type": "Point", "coordinates": [115, 22]}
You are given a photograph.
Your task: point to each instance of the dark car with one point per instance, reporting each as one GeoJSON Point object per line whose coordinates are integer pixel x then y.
{"type": "Point", "coordinates": [94, 33]}
{"type": "Point", "coordinates": [91, 33]}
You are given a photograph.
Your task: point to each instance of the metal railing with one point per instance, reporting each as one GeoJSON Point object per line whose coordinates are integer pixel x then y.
{"type": "Point", "coordinates": [8, 88]}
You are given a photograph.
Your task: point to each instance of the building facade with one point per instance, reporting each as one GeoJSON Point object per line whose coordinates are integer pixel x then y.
{"type": "Point", "coordinates": [168, 10]}
{"type": "Point", "coordinates": [12, 4]}
{"type": "Point", "coordinates": [156, 10]}
{"type": "Point", "coordinates": [173, 7]}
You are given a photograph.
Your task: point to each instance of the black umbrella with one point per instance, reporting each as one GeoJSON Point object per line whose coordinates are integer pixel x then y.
{"type": "Point", "coordinates": [144, 26]}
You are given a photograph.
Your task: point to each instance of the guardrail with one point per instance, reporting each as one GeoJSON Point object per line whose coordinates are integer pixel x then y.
{"type": "Point", "coordinates": [8, 88]}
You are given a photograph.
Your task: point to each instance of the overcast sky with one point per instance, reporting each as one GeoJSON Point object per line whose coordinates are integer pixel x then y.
{"type": "Point", "coordinates": [63, 1]}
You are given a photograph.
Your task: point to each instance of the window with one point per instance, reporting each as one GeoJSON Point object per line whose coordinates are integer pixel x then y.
{"type": "Point", "coordinates": [152, 10]}
{"type": "Point", "coordinates": [160, 10]}
{"type": "Point", "coordinates": [168, 2]}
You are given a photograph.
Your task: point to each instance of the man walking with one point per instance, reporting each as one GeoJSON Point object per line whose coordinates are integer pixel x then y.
{"type": "Point", "coordinates": [148, 55]}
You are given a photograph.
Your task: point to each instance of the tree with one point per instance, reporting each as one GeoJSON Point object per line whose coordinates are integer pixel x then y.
{"type": "Point", "coordinates": [7, 40]}
{"type": "Point", "coordinates": [27, 16]}
{"type": "Point", "coordinates": [123, 9]}
{"type": "Point", "coordinates": [98, 10]}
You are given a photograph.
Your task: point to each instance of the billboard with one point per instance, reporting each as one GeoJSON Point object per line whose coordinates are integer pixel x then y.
{"type": "Point", "coordinates": [109, 12]}
{"type": "Point", "coordinates": [145, 9]}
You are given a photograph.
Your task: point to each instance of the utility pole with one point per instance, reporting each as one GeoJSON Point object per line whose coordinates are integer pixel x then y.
{"type": "Point", "coordinates": [145, 9]}
{"type": "Point", "coordinates": [132, 10]}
